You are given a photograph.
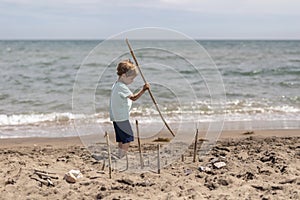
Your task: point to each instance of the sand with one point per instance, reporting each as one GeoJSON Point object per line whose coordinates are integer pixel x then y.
{"type": "Point", "coordinates": [259, 165]}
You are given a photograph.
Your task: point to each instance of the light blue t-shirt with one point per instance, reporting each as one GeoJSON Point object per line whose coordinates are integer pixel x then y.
{"type": "Point", "coordinates": [120, 104]}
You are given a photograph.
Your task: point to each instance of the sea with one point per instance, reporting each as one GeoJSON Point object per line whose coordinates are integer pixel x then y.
{"type": "Point", "coordinates": [61, 88]}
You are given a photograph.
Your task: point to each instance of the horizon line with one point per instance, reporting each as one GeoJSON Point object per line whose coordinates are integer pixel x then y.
{"type": "Point", "coordinates": [102, 39]}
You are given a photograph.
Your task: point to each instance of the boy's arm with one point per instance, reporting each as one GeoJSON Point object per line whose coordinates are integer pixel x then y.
{"type": "Point", "coordinates": [136, 96]}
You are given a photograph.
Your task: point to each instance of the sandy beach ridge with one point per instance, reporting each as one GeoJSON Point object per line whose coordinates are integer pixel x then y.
{"type": "Point", "coordinates": [258, 165]}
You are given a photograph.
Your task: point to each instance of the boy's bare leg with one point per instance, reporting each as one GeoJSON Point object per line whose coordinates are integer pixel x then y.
{"type": "Point", "coordinates": [123, 148]}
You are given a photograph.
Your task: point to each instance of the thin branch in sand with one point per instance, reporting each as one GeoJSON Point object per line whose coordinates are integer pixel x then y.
{"type": "Point", "coordinates": [195, 146]}
{"type": "Point", "coordinates": [109, 154]}
{"type": "Point", "coordinates": [139, 143]}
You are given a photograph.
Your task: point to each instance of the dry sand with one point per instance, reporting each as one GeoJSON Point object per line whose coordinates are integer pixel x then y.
{"type": "Point", "coordinates": [261, 165]}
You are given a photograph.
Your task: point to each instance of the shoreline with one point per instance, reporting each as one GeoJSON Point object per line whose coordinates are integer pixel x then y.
{"type": "Point", "coordinates": [75, 140]}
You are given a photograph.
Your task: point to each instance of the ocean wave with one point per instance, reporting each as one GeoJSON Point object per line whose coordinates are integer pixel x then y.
{"type": "Point", "coordinates": [271, 72]}
{"type": "Point", "coordinates": [175, 112]}
{"type": "Point", "coordinates": [26, 119]}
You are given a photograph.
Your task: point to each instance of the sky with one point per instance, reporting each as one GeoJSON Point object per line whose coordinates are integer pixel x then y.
{"type": "Point", "coordinates": [100, 19]}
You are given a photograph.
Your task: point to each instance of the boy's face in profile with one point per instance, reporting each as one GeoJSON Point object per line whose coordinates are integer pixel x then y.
{"type": "Point", "coordinates": [127, 79]}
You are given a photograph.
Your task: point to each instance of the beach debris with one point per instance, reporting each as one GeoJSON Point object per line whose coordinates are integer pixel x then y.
{"type": "Point", "coordinates": [204, 169]}
{"type": "Point", "coordinates": [219, 165]}
{"type": "Point", "coordinates": [213, 163]}
{"type": "Point", "coordinates": [248, 133]}
{"type": "Point", "coordinates": [46, 182]}
{"type": "Point", "coordinates": [159, 139]}
{"type": "Point", "coordinates": [72, 176]}
{"type": "Point", "coordinates": [221, 148]}
{"type": "Point", "coordinates": [45, 174]}
{"type": "Point", "coordinates": [187, 172]}
{"type": "Point", "coordinates": [214, 160]}
{"type": "Point", "coordinates": [43, 177]}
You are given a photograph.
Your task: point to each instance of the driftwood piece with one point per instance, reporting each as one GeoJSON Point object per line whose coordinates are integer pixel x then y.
{"type": "Point", "coordinates": [41, 171]}
{"type": "Point", "coordinates": [46, 175]}
{"type": "Point", "coordinates": [109, 154]}
{"type": "Point", "coordinates": [46, 182]}
{"type": "Point", "coordinates": [195, 146]}
{"type": "Point", "coordinates": [139, 144]}
{"type": "Point", "coordinates": [43, 177]}
{"type": "Point", "coordinates": [158, 159]}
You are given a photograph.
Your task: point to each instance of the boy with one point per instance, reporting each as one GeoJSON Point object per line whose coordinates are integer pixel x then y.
{"type": "Point", "coordinates": [120, 104]}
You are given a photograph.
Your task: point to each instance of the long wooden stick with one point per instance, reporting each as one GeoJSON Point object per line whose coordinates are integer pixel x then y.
{"type": "Point", "coordinates": [151, 95]}
{"type": "Point", "coordinates": [139, 143]}
{"type": "Point", "coordinates": [195, 146]}
{"type": "Point", "coordinates": [109, 155]}
{"type": "Point", "coordinates": [45, 175]}
{"type": "Point", "coordinates": [158, 159]}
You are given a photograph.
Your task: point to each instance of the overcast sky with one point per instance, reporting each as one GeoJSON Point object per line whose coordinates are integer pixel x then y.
{"type": "Point", "coordinates": [99, 19]}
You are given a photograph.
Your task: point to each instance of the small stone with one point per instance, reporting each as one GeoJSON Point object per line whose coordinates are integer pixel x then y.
{"type": "Point", "coordinates": [214, 160]}
{"type": "Point", "coordinates": [205, 169]}
{"type": "Point", "coordinates": [70, 178]}
{"type": "Point", "coordinates": [219, 165]}
{"type": "Point", "coordinates": [187, 172]}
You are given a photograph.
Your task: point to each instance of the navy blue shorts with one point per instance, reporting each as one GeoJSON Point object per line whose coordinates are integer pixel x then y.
{"type": "Point", "coordinates": [123, 132]}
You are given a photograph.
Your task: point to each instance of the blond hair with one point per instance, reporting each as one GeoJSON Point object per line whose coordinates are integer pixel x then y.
{"type": "Point", "coordinates": [127, 67]}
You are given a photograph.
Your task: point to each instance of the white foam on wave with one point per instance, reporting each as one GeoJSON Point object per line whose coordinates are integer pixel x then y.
{"type": "Point", "coordinates": [26, 119]}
